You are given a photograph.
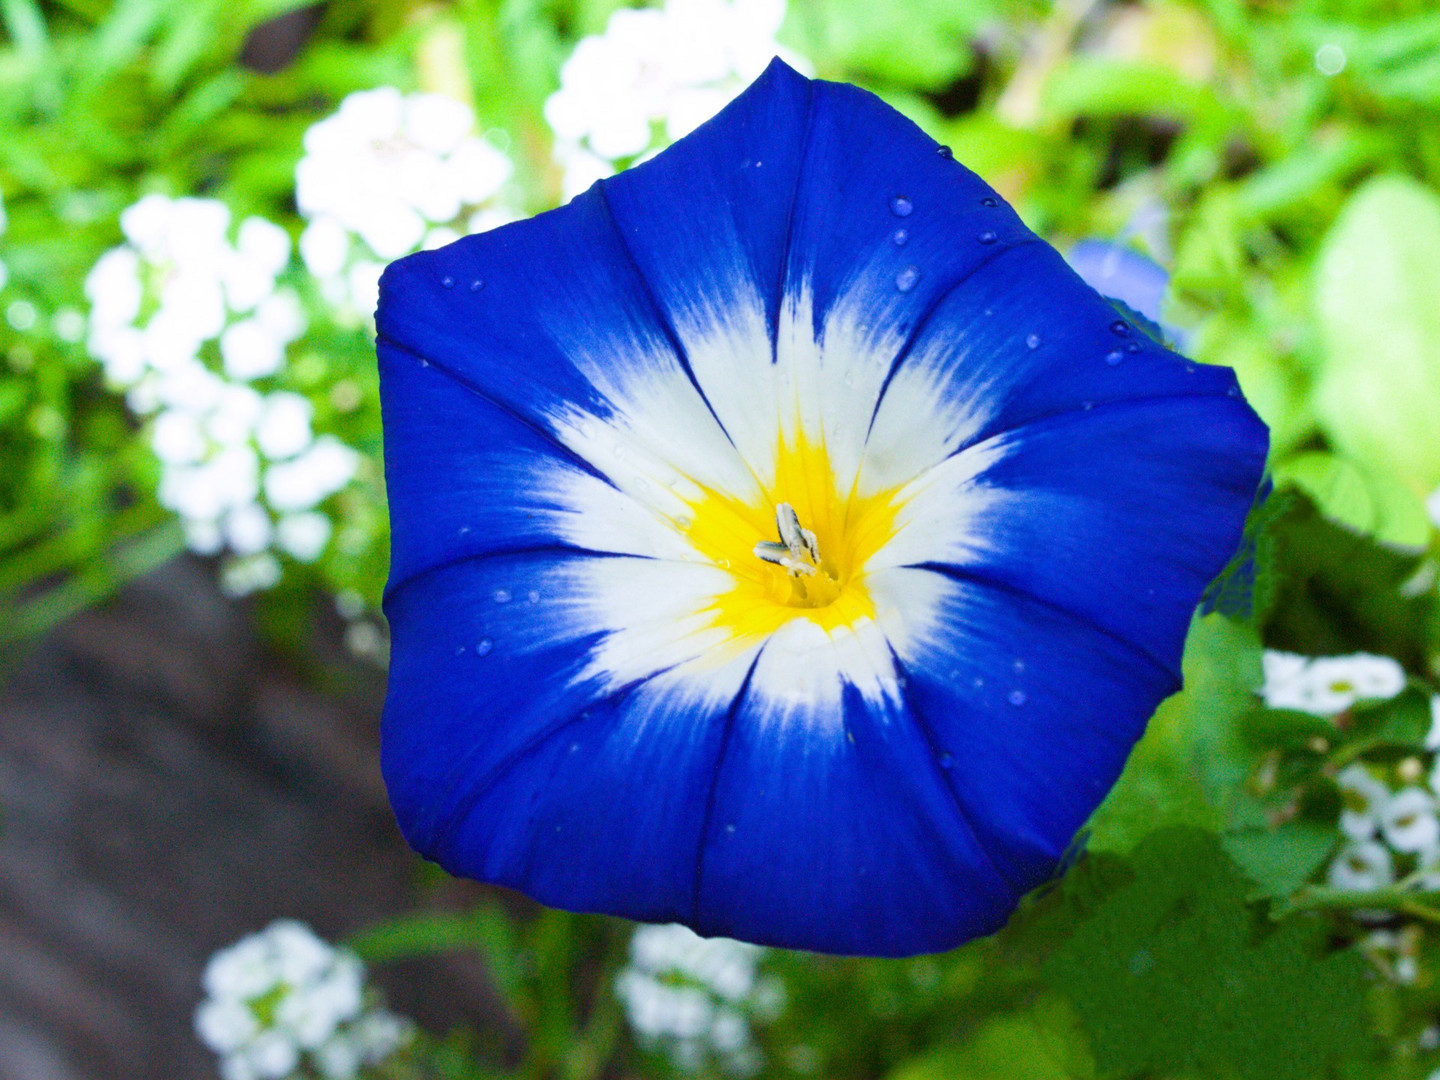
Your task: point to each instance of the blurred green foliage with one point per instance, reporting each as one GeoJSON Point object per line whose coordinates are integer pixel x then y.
{"type": "Point", "coordinates": [1282, 158]}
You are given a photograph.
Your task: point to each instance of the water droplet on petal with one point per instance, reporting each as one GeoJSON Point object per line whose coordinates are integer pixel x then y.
{"type": "Point", "coordinates": [533, 596]}
{"type": "Point", "coordinates": [476, 285]}
{"type": "Point", "coordinates": [1120, 326]}
{"type": "Point", "coordinates": [901, 206]}
{"type": "Point", "coordinates": [1134, 346]}
{"type": "Point", "coordinates": [987, 237]}
{"type": "Point", "coordinates": [901, 237]}
{"type": "Point", "coordinates": [483, 647]}
{"type": "Point", "coordinates": [979, 682]}
{"type": "Point", "coordinates": [1232, 391]}
{"type": "Point", "coordinates": [460, 650]}
{"type": "Point", "coordinates": [502, 596]}
{"type": "Point", "coordinates": [1113, 358]}
{"type": "Point", "coordinates": [1189, 369]}
{"type": "Point", "coordinates": [730, 828]}
{"type": "Point", "coordinates": [574, 747]}
{"type": "Point", "coordinates": [1032, 341]}
{"type": "Point", "coordinates": [989, 200]}
{"type": "Point", "coordinates": [945, 152]}
{"type": "Point", "coordinates": [907, 278]}
{"type": "Point", "coordinates": [1087, 405]}
{"type": "Point", "coordinates": [447, 282]}
{"type": "Point", "coordinates": [1016, 697]}
{"type": "Point", "coordinates": [1018, 667]}
{"type": "Point", "coordinates": [946, 760]}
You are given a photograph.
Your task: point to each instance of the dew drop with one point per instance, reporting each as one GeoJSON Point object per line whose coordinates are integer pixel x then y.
{"type": "Point", "coordinates": [1087, 405]}
{"type": "Point", "coordinates": [987, 237]}
{"type": "Point", "coordinates": [502, 596]}
{"type": "Point", "coordinates": [1232, 391]}
{"type": "Point", "coordinates": [1134, 346]}
{"type": "Point", "coordinates": [946, 760]}
{"type": "Point", "coordinates": [730, 828]}
{"type": "Point", "coordinates": [907, 278]}
{"type": "Point", "coordinates": [900, 206]}
{"type": "Point", "coordinates": [1016, 697]}
{"type": "Point", "coordinates": [424, 362]}
{"type": "Point", "coordinates": [483, 647]}
{"type": "Point", "coordinates": [447, 282]}
{"type": "Point", "coordinates": [1018, 667]}
{"type": "Point", "coordinates": [901, 237]}
{"type": "Point", "coordinates": [533, 596]}
{"type": "Point", "coordinates": [1120, 327]}
{"type": "Point", "coordinates": [1113, 358]}
{"type": "Point", "coordinates": [1189, 369]}
{"type": "Point", "coordinates": [979, 682]}
{"type": "Point", "coordinates": [574, 747]}
{"type": "Point", "coordinates": [476, 285]}
{"type": "Point", "coordinates": [989, 200]}
{"type": "Point", "coordinates": [464, 530]}
{"type": "Point", "coordinates": [989, 311]}
{"type": "Point", "coordinates": [460, 650]}
{"type": "Point", "coordinates": [945, 152]}
{"type": "Point", "coordinates": [1032, 341]}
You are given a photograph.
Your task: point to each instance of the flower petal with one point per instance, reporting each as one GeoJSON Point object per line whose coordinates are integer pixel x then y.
{"type": "Point", "coordinates": [1045, 494]}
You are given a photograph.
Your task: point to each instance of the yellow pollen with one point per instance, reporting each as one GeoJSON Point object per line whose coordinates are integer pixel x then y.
{"type": "Point", "coordinates": [816, 572]}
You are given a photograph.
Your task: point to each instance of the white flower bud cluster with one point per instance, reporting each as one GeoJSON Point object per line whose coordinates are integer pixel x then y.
{"type": "Point", "coordinates": [284, 1003]}
{"type": "Point", "coordinates": [696, 998]}
{"type": "Point", "coordinates": [654, 75]}
{"type": "Point", "coordinates": [386, 175]}
{"type": "Point", "coordinates": [242, 469]}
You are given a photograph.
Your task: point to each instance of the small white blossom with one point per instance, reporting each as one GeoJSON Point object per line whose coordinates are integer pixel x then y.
{"type": "Point", "coordinates": [1408, 821]}
{"type": "Point", "coordinates": [386, 175]}
{"type": "Point", "coordinates": [1327, 685]}
{"type": "Point", "coordinates": [1362, 867]}
{"type": "Point", "coordinates": [696, 996]}
{"type": "Point", "coordinates": [283, 1000]}
{"type": "Point", "coordinates": [655, 75]}
{"type": "Point", "coordinates": [1362, 799]}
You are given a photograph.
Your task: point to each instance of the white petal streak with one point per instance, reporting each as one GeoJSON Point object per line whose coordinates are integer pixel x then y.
{"type": "Point", "coordinates": [944, 510]}
{"type": "Point", "coordinates": [653, 615]}
{"type": "Point", "coordinates": [922, 420]}
{"type": "Point", "coordinates": [725, 336]}
{"type": "Point", "coordinates": [597, 516]}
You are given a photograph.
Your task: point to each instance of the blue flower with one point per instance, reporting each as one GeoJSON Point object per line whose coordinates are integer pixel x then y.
{"type": "Point", "coordinates": [786, 542]}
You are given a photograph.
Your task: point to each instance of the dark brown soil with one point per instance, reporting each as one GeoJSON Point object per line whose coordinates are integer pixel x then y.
{"type": "Point", "coordinates": [167, 784]}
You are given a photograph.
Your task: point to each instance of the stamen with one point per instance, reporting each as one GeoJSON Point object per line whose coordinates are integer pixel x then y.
{"type": "Point", "coordinates": [799, 540]}
{"type": "Point", "coordinates": [798, 551]}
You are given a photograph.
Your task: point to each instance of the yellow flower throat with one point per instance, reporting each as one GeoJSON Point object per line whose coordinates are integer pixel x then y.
{"type": "Point", "coordinates": [799, 553]}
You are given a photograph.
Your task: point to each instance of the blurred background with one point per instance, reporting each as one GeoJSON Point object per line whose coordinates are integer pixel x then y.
{"type": "Point", "coordinates": [198, 199]}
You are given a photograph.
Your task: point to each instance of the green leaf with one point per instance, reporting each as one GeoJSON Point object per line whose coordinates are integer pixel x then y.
{"type": "Point", "coordinates": [1042, 1043]}
{"type": "Point", "coordinates": [1375, 301]}
{"type": "Point", "coordinates": [1281, 860]}
{"type": "Point", "coordinates": [1183, 769]}
{"type": "Point", "coordinates": [1341, 592]}
{"type": "Point", "coordinates": [1363, 499]}
{"type": "Point", "coordinates": [1171, 974]}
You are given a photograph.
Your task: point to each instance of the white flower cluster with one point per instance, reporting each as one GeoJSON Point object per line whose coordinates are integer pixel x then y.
{"type": "Point", "coordinates": [654, 75]}
{"type": "Point", "coordinates": [696, 997]}
{"type": "Point", "coordinates": [1392, 822]}
{"type": "Point", "coordinates": [177, 294]}
{"type": "Point", "coordinates": [386, 175]}
{"type": "Point", "coordinates": [284, 1003]}
{"type": "Point", "coordinates": [1326, 685]}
